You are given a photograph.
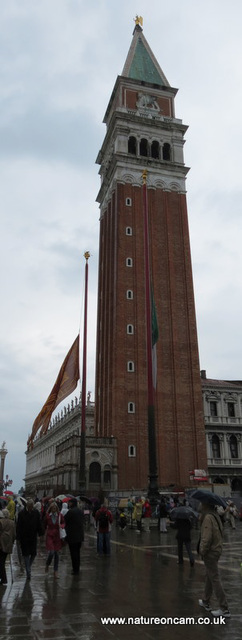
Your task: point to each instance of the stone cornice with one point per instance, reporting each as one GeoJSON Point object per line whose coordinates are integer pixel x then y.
{"type": "Point", "coordinates": [172, 177]}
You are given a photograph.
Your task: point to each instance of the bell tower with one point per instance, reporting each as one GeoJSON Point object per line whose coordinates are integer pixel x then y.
{"type": "Point", "coordinates": [143, 133]}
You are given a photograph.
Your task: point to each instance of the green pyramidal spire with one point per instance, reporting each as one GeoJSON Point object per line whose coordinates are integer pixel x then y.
{"type": "Point", "coordinates": [141, 63]}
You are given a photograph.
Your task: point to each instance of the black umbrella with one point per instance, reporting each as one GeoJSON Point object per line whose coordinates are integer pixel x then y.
{"type": "Point", "coordinates": [182, 513]}
{"type": "Point", "coordinates": [208, 497]}
{"type": "Point", "coordinates": [85, 499]}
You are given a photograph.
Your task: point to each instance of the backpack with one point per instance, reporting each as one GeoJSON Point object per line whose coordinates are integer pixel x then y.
{"type": "Point", "coordinates": [103, 519]}
{"type": "Point", "coordinates": [6, 540]}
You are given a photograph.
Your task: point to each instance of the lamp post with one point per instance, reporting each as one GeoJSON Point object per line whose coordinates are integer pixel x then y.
{"type": "Point", "coordinates": [82, 481]}
{"type": "Point", "coordinates": [153, 475]}
{"type": "Point", "coordinates": [6, 483]}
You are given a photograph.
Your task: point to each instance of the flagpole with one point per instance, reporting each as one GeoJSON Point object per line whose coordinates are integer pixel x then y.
{"type": "Point", "coordinates": [153, 476]}
{"type": "Point", "coordinates": [84, 376]}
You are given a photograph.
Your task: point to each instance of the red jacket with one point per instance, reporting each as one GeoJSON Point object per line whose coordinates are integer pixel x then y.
{"type": "Point", "coordinates": [101, 528]}
{"type": "Point", "coordinates": [147, 513]}
{"type": "Point", "coordinates": [53, 541]}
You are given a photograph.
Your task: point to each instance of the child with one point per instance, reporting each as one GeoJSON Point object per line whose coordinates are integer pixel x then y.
{"type": "Point", "coordinates": [122, 520]}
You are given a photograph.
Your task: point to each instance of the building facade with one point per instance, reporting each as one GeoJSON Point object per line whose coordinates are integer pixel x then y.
{"type": "Point", "coordinates": [53, 464]}
{"type": "Point", "coordinates": [143, 133]}
{"type": "Point", "coordinates": [222, 402]}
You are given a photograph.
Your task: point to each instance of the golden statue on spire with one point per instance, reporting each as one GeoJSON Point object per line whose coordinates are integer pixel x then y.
{"type": "Point", "coordinates": [138, 20]}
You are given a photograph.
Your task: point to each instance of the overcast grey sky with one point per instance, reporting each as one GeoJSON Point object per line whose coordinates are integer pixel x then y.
{"type": "Point", "coordinates": [59, 62]}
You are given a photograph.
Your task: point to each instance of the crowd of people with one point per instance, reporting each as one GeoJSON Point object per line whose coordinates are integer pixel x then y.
{"type": "Point", "coordinates": [24, 520]}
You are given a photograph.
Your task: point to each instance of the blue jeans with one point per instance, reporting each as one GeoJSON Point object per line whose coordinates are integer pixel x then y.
{"type": "Point", "coordinates": [104, 543]}
{"type": "Point", "coordinates": [51, 555]}
{"type": "Point", "coordinates": [187, 544]}
{"type": "Point", "coordinates": [28, 561]}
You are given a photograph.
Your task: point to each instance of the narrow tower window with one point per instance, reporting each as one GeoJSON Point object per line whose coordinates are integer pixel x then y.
{"type": "Point", "coordinates": [166, 151]}
{"type": "Point", "coordinates": [132, 451]}
{"type": "Point", "coordinates": [130, 294]}
{"type": "Point", "coordinates": [143, 149]}
{"type": "Point", "coordinates": [131, 407]}
{"type": "Point", "coordinates": [132, 145]}
{"type": "Point", "coordinates": [155, 149]}
{"type": "Point", "coordinates": [130, 366]}
{"type": "Point", "coordinates": [129, 231]}
{"type": "Point", "coordinates": [130, 329]}
{"type": "Point", "coordinates": [129, 262]}
{"type": "Point", "coordinates": [128, 202]}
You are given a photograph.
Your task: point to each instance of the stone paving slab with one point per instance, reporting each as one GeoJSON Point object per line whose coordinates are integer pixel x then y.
{"type": "Point", "coordinates": [141, 578]}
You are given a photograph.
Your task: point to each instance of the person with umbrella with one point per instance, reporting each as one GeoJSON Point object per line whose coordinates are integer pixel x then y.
{"type": "Point", "coordinates": [183, 521]}
{"type": "Point", "coordinates": [210, 549]}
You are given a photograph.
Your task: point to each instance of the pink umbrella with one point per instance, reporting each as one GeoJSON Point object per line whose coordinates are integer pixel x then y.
{"type": "Point", "coordinates": [8, 493]}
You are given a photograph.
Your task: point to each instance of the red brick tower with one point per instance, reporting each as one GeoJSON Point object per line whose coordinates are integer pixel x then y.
{"type": "Point", "coordinates": [143, 133]}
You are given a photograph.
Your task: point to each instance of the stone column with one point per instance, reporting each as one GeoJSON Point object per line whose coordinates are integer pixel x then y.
{"type": "Point", "coordinates": [3, 453]}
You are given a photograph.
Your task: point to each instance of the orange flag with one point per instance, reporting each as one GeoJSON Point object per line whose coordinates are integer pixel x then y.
{"type": "Point", "coordinates": [65, 383]}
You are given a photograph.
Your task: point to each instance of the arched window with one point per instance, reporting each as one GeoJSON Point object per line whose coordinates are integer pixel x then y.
{"type": "Point", "coordinates": [131, 407]}
{"type": "Point", "coordinates": [129, 231]}
{"type": "Point", "coordinates": [95, 473]}
{"type": "Point", "coordinates": [130, 329]}
{"type": "Point", "coordinates": [129, 262]}
{"type": "Point", "coordinates": [129, 294]}
{"type": "Point", "coordinates": [107, 477]}
{"type": "Point", "coordinates": [128, 202]}
{"type": "Point", "coordinates": [130, 366]}
{"type": "Point", "coordinates": [166, 151]}
{"type": "Point", "coordinates": [143, 148]}
{"type": "Point", "coordinates": [215, 447]}
{"type": "Point", "coordinates": [233, 446]}
{"type": "Point", "coordinates": [132, 145]}
{"type": "Point", "coordinates": [155, 149]}
{"type": "Point", "coordinates": [132, 451]}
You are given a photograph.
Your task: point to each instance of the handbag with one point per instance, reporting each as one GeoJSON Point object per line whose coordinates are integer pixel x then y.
{"type": "Point", "coordinates": [62, 531]}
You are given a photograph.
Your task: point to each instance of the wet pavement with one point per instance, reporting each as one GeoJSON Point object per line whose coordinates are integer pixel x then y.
{"type": "Point", "coordinates": [140, 580]}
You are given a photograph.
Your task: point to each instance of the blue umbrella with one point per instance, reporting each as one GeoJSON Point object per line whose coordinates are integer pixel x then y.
{"type": "Point", "coordinates": [208, 497]}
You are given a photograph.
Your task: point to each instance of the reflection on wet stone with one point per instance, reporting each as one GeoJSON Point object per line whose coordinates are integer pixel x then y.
{"type": "Point", "coordinates": [141, 578]}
